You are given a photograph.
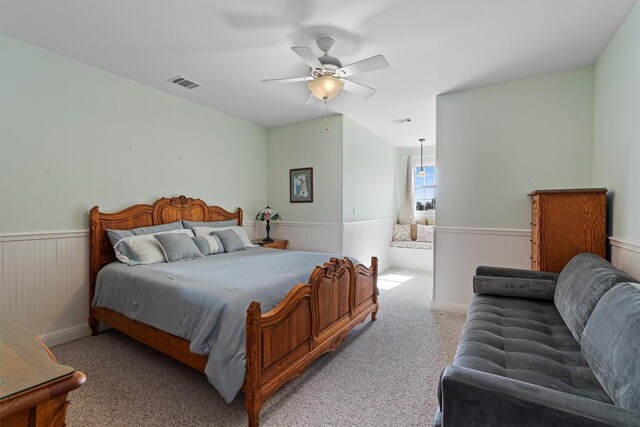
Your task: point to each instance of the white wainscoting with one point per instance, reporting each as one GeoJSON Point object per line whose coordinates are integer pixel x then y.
{"type": "Point", "coordinates": [625, 255]}
{"type": "Point", "coordinates": [412, 259]}
{"type": "Point", "coordinates": [306, 236]}
{"type": "Point", "coordinates": [252, 228]}
{"type": "Point", "coordinates": [44, 283]}
{"type": "Point", "coordinates": [361, 239]}
{"type": "Point", "coordinates": [458, 251]}
{"type": "Point", "coordinates": [364, 239]}
{"type": "Point", "coordinates": [44, 277]}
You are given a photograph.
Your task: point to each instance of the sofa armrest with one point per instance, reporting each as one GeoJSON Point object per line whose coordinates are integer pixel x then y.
{"type": "Point", "coordinates": [475, 398]}
{"type": "Point", "coordinates": [484, 270]}
{"type": "Point", "coordinates": [514, 287]}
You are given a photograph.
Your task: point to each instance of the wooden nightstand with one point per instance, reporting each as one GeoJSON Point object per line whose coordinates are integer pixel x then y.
{"type": "Point", "coordinates": [276, 244]}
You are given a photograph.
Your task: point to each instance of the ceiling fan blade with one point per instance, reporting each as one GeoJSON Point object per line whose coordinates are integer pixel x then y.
{"type": "Point", "coordinates": [357, 89]}
{"type": "Point", "coordinates": [377, 62]}
{"type": "Point", "coordinates": [288, 80]}
{"type": "Point", "coordinates": [306, 54]}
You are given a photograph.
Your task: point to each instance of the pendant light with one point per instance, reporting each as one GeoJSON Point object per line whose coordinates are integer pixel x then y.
{"type": "Point", "coordinates": [421, 173]}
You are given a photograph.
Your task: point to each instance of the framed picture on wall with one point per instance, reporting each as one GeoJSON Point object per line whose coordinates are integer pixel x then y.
{"type": "Point", "coordinates": [301, 185]}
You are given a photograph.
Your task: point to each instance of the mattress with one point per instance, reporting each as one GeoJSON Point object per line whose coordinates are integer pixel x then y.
{"type": "Point", "coordinates": [205, 300]}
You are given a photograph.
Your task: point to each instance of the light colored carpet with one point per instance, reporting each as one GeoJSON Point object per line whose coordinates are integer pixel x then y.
{"type": "Point", "coordinates": [385, 374]}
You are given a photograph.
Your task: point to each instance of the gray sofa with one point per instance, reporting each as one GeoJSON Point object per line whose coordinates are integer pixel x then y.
{"type": "Point", "coordinates": [542, 349]}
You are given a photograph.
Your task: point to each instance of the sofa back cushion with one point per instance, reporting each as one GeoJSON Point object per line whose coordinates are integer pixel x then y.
{"type": "Point", "coordinates": [611, 344]}
{"type": "Point", "coordinates": [581, 284]}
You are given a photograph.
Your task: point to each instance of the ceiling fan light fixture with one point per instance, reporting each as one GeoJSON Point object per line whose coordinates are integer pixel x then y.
{"type": "Point", "coordinates": [325, 87]}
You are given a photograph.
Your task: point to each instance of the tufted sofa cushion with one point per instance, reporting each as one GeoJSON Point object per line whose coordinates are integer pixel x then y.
{"type": "Point", "coordinates": [611, 344]}
{"type": "Point", "coordinates": [581, 284]}
{"type": "Point", "coordinates": [525, 340]}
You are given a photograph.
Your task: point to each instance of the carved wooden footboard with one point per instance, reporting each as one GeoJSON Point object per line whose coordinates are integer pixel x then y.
{"type": "Point", "coordinates": [310, 321]}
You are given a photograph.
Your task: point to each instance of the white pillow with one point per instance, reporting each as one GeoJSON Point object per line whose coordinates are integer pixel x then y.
{"type": "Point", "coordinates": [425, 233]}
{"type": "Point", "coordinates": [145, 247]}
{"type": "Point", "coordinates": [206, 231]}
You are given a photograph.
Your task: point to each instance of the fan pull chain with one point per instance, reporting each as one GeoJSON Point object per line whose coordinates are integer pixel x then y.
{"type": "Point", "coordinates": [326, 115]}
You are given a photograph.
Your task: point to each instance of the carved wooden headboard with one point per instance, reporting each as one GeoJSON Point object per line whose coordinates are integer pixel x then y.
{"type": "Point", "coordinates": [164, 210]}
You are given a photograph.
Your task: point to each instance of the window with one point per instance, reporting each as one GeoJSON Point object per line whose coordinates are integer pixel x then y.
{"type": "Point", "coordinates": [425, 188]}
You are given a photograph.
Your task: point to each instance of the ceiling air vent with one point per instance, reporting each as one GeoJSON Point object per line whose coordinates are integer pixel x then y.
{"type": "Point", "coordinates": [184, 82]}
{"type": "Point", "coordinates": [400, 121]}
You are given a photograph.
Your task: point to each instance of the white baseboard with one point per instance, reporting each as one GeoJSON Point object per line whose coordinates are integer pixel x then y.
{"type": "Point", "coordinates": [449, 307]}
{"type": "Point", "coordinates": [66, 335]}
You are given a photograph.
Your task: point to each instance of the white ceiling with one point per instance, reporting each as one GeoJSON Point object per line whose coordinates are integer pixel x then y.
{"type": "Point", "coordinates": [433, 46]}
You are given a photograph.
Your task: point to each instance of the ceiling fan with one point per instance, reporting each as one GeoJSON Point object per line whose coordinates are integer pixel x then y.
{"type": "Point", "coordinates": [327, 76]}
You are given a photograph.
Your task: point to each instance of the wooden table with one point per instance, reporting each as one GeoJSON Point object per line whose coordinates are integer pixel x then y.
{"type": "Point", "coordinates": [33, 386]}
{"type": "Point", "coordinates": [276, 244]}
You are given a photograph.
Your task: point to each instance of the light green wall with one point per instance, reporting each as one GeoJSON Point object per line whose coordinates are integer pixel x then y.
{"type": "Point", "coordinates": [74, 136]}
{"type": "Point", "coordinates": [369, 175]}
{"type": "Point", "coordinates": [616, 152]}
{"type": "Point", "coordinates": [301, 145]}
{"type": "Point", "coordinates": [497, 143]}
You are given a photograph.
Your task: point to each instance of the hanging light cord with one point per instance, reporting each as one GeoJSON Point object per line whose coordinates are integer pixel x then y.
{"type": "Point", "coordinates": [326, 115]}
{"type": "Point", "coordinates": [421, 156]}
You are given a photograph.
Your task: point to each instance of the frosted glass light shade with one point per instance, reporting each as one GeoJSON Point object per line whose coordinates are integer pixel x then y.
{"type": "Point", "coordinates": [325, 87]}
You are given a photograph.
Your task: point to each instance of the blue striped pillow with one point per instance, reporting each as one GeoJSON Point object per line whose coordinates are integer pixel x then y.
{"type": "Point", "coordinates": [208, 245]}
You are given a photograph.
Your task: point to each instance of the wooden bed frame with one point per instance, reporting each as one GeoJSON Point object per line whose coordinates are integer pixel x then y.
{"type": "Point", "coordinates": [311, 319]}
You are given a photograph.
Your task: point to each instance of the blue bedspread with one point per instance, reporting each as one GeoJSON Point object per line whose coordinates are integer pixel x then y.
{"type": "Point", "coordinates": [205, 300]}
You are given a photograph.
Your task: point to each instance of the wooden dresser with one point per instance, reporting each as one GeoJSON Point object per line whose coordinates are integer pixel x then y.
{"type": "Point", "coordinates": [33, 387]}
{"type": "Point", "coordinates": [565, 223]}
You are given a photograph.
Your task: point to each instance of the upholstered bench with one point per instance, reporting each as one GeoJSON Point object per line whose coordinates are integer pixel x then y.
{"type": "Point", "coordinates": [412, 253]}
{"type": "Point", "coordinates": [545, 349]}
{"type": "Point", "coordinates": [411, 244]}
